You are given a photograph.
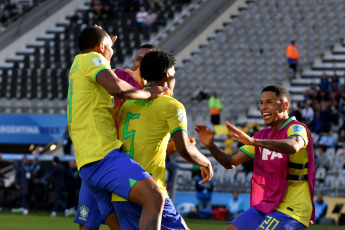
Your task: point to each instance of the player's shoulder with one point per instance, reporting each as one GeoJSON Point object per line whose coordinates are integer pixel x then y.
{"type": "Point", "coordinates": [123, 75]}
{"type": "Point", "coordinates": [94, 58]}
{"type": "Point", "coordinates": [170, 100]}
{"type": "Point", "coordinates": [297, 128]}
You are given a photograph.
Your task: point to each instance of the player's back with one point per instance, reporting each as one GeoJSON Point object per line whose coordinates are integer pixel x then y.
{"type": "Point", "coordinates": [145, 127]}
{"type": "Point", "coordinates": [89, 110]}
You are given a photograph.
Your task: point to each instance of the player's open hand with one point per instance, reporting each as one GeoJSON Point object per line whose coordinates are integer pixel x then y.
{"type": "Point", "coordinates": [157, 91]}
{"type": "Point", "coordinates": [239, 135]}
{"type": "Point", "coordinates": [205, 135]}
{"type": "Point", "coordinates": [206, 173]}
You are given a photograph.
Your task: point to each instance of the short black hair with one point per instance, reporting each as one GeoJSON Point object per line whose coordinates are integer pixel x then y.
{"type": "Point", "coordinates": [155, 65]}
{"type": "Point", "coordinates": [279, 90]}
{"type": "Point", "coordinates": [56, 159]}
{"type": "Point", "coordinates": [148, 46]}
{"type": "Point", "coordinates": [91, 37]}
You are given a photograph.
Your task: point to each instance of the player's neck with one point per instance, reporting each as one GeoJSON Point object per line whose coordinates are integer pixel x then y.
{"type": "Point", "coordinates": [157, 83]}
{"type": "Point", "coordinates": [276, 125]}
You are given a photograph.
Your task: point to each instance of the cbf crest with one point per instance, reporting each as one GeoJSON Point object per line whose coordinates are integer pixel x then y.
{"type": "Point", "coordinates": [84, 212]}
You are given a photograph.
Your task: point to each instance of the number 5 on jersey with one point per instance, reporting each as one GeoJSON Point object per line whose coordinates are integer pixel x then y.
{"type": "Point", "coordinates": [131, 134]}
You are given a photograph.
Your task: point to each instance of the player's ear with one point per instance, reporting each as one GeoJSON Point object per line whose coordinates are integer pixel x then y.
{"type": "Point", "coordinates": [166, 77]}
{"type": "Point", "coordinates": [100, 47]}
{"type": "Point", "coordinates": [286, 105]}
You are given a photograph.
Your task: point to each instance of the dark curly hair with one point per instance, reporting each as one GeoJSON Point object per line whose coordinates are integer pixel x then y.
{"type": "Point", "coordinates": [91, 37]}
{"type": "Point", "coordinates": [279, 90]}
{"type": "Point", "coordinates": [155, 65]}
{"type": "Point", "coordinates": [148, 46]}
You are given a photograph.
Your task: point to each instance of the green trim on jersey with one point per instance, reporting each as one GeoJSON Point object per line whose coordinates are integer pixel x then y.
{"type": "Point", "coordinates": [177, 129]}
{"type": "Point", "coordinates": [95, 77]}
{"type": "Point", "coordinates": [247, 153]}
{"type": "Point", "coordinates": [287, 122]}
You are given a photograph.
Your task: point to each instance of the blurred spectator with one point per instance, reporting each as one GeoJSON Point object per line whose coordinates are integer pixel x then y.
{"type": "Point", "coordinates": [106, 14]}
{"type": "Point", "coordinates": [22, 182]}
{"type": "Point", "coordinates": [75, 22]}
{"type": "Point", "coordinates": [73, 183]}
{"type": "Point", "coordinates": [334, 115]}
{"type": "Point", "coordinates": [335, 92]}
{"type": "Point", "coordinates": [58, 173]}
{"type": "Point", "coordinates": [341, 152]}
{"type": "Point", "coordinates": [323, 95]}
{"type": "Point", "coordinates": [311, 93]}
{"type": "Point", "coordinates": [341, 138]}
{"type": "Point", "coordinates": [37, 185]}
{"type": "Point", "coordinates": [335, 79]}
{"type": "Point", "coordinates": [235, 205]}
{"type": "Point", "coordinates": [7, 11]}
{"type": "Point", "coordinates": [325, 114]}
{"type": "Point", "coordinates": [324, 83]}
{"type": "Point", "coordinates": [329, 140]}
{"type": "Point", "coordinates": [215, 105]}
{"type": "Point", "coordinates": [317, 124]}
{"type": "Point", "coordinates": [67, 142]}
{"type": "Point", "coordinates": [320, 208]}
{"type": "Point", "coordinates": [201, 93]}
{"type": "Point", "coordinates": [203, 192]}
{"type": "Point", "coordinates": [141, 17]}
{"type": "Point", "coordinates": [307, 114]}
{"type": "Point", "coordinates": [322, 159]}
{"type": "Point", "coordinates": [150, 20]}
{"type": "Point", "coordinates": [295, 112]}
{"type": "Point", "coordinates": [292, 56]}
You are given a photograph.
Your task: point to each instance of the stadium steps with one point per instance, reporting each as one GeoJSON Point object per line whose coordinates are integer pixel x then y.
{"type": "Point", "coordinates": [332, 63]}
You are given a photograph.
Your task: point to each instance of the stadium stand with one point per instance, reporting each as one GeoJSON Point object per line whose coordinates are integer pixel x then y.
{"type": "Point", "coordinates": [237, 59]}
{"type": "Point", "coordinates": [14, 10]}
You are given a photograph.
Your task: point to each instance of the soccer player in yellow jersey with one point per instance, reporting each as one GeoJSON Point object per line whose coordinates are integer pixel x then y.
{"type": "Point", "coordinates": [145, 127]}
{"type": "Point", "coordinates": [103, 168]}
{"type": "Point", "coordinates": [282, 186]}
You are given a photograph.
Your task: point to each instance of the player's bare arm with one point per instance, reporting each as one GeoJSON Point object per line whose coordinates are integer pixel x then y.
{"type": "Point", "coordinates": [119, 88]}
{"type": "Point", "coordinates": [290, 145]}
{"type": "Point", "coordinates": [171, 145]}
{"type": "Point", "coordinates": [189, 152]}
{"type": "Point", "coordinates": [228, 161]}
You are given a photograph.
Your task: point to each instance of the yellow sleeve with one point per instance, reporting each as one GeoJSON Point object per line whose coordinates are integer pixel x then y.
{"type": "Point", "coordinates": [298, 130]}
{"type": "Point", "coordinates": [249, 150]}
{"type": "Point", "coordinates": [95, 63]}
{"type": "Point", "coordinates": [176, 117]}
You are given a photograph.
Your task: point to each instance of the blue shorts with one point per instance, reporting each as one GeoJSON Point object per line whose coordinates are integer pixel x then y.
{"type": "Point", "coordinates": [115, 173]}
{"type": "Point", "coordinates": [253, 219]}
{"type": "Point", "coordinates": [88, 213]}
{"type": "Point", "coordinates": [129, 213]}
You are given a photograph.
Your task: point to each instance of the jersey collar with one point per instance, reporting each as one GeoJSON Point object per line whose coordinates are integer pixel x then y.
{"type": "Point", "coordinates": [287, 122]}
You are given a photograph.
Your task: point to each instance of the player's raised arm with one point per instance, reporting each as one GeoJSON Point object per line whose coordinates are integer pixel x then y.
{"type": "Point", "coordinates": [291, 145]}
{"type": "Point", "coordinates": [228, 161]}
{"type": "Point", "coordinates": [189, 152]}
{"type": "Point", "coordinates": [121, 89]}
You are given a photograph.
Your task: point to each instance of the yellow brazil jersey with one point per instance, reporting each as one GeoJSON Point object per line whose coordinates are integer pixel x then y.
{"type": "Point", "coordinates": [296, 201]}
{"type": "Point", "coordinates": [145, 127]}
{"type": "Point", "coordinates": [89, 110]}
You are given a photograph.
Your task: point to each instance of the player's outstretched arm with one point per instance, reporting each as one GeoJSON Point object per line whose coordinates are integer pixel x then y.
{"type": "Point", "coordinates": [189, 152]}
{"type": "Point", "coordinates": [119, 88]}
{"type": "Point", "coordinates": [228, 161]}
{"type": "Point", "coordinates": [291, 145]}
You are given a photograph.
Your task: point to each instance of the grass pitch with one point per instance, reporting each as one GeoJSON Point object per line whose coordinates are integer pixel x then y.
{"type": "Point", "coordinates": [42, 221]}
